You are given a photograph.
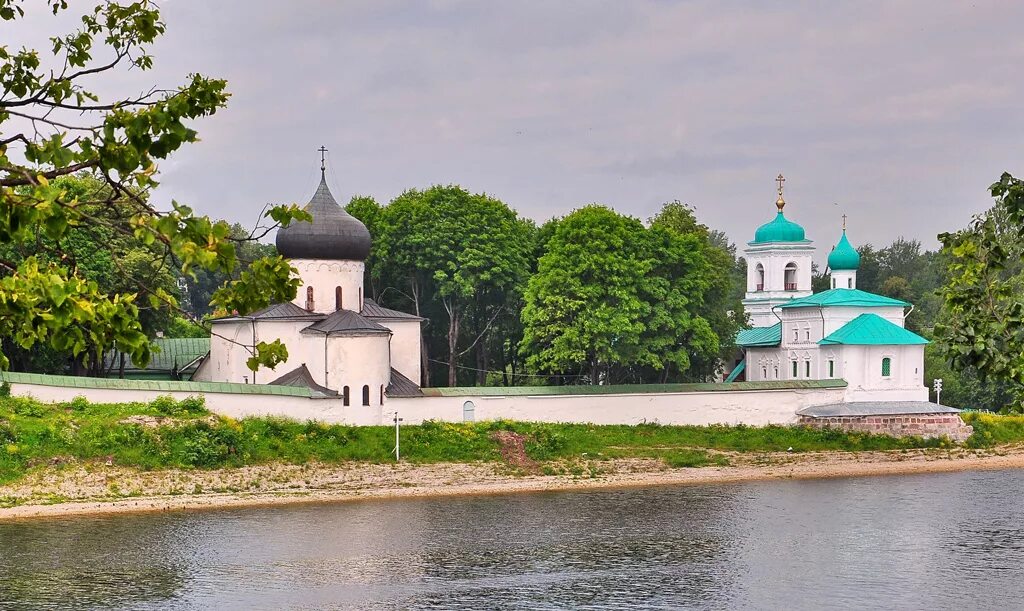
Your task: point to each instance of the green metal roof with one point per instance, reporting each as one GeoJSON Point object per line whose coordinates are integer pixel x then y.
{"type": "Point", "coordinates": [158, 385]}
{"type": "Point", "coordinates": [737, 371]}
{"type": "Point", "coordinates": [627, 389]}
{"type": "Point", "coordinates": [844, 297]}
{"type": "Point", "coordinates": [872, 330]}
{"type": "Point", "coordinates": [760, 336]}
{"type": "Point", "coordinates": [844, 256]}
{"type": "Point", "coordinates": [780, 229]}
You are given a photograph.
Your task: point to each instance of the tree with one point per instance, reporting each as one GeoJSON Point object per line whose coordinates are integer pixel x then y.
{"type": "Point", "coordinates": [613, 301]}
{"type": "Point", "coordinates": [367, 210]}
{"type": "Point", "coordinates": [467, 254]}
{"type": "Point", "coordinates": [53, 125]}
{"type": "Point", "coordinates": [982, 319]}
{"type": "Point", "coordinates": [716, 293]}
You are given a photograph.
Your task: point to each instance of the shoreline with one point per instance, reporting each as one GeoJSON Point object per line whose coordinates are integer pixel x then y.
{"type": "Point", "coordinates": [81, 491]}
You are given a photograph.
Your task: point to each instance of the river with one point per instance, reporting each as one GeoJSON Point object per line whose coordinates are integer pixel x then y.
{"type": "Point", "coordinates": [938, 541]}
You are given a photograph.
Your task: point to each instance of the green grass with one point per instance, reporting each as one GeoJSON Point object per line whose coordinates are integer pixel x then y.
{"type": "Point", "coordinates": [35, 435]}
{"type": "Point", "coordinates": [993, 429]}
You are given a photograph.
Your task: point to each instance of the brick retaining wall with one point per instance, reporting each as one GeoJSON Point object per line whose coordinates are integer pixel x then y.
{"type": "Point", "coordinates": [897, 425]}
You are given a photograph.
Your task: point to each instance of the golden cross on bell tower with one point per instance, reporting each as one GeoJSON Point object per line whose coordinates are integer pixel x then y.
{"type": "Point", "coordinates": [780, 203]}
{"type": "Point", "coordinates": [323, 165]}
{"type": "Point", "coordinates": [844, 223]}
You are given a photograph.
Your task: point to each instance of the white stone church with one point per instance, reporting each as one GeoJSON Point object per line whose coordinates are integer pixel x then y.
{"type": "Point", "coordinates": [340, 343]}
{"type": "Point", "coordinates": [841, 333]}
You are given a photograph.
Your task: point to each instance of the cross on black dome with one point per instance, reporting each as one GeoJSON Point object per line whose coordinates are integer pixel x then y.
{"type": "Point", "coordinates": [334, 234]}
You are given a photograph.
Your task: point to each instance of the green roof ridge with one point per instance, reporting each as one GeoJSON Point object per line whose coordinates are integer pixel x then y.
{"type": "Point", "coordinates": [760, 336]}
{"type": "Point", "coordinates": [844, 297]}
{"type": "Point", "coordinates": [154, 385]}
{"type": "Point", "coordinates": [872, 330]}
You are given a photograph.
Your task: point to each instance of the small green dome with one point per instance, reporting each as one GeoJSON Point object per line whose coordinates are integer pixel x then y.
{"type": "Point", "coordinates": [844, 257]}
{"type": "Point", "coordinates": [779, 230]}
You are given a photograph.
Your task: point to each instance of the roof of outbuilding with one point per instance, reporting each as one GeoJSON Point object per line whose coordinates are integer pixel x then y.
{"type": "Point", "coordinates": [301, 378]}
{"type": "Point", "coordinates": [760, 336]}
{"type": "Point", "coordinates": [371, 309]}
{"type": "Point", "coordinates": [401, 386]}
{"type": "Point", "coordinates": [872, 330]}
{"type": "Point", "coordinates": [334, 233]}
{"type": "Point", "coordinates": [168, 353]}
{"type": "Point", "coordinates": [844, 297]}
{"type": "Point", "coordinates": [875, 408]}
{"type": "Point", "coordinates": [344, 322]}
{"type": "Point", "coordinates": [275, 311]}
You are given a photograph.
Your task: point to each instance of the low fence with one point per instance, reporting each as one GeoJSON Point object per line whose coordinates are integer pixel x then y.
{"type": "Point", "coordinates": [751, 403]}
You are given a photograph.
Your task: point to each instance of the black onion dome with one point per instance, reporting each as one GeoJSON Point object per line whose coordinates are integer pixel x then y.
{"type": "Point", "coordinates": [333, 234]}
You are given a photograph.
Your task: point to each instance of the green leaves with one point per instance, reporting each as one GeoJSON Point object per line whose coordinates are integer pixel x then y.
{"type": "Point", "coordinates": [982, 326]}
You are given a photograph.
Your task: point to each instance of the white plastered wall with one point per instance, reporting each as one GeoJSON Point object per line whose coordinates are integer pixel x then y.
{"type": "Point", "coordinates": [405, 347]}
{"type": "Point", "coordinates": [324, 276]}
{"type": "Point", "coordinates": [357, 361]}
{"type": "Point", "coordinates": [232, 341]}
{"type": "Point", "coordinates": [755, 408]}
{"type": "Point", "coordinates": [774, 258]}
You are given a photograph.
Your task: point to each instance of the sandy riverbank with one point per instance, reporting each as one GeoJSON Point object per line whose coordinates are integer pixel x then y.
{"type": "Point", "coordinates": [97, 489]}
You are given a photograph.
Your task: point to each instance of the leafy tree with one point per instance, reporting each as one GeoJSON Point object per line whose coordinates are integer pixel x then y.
{"type": "Point", "coordinates": [982, 318]}
{"type": "Point", "coordinates": [367, 210]}
{"type": "Point", "coordinates": [715, 284]}
{"type": "Point", "coordinates": [457, 258]}
{"type": "Point", "coordinates": [614, 301]}
{"type": "Point", "coordinates": [202, 284]}
{"type": "Point", "coordinates": [52, 124]}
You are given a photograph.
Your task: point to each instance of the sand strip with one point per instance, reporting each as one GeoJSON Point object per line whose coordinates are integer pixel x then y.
{"type": "Point", "coordinates": [95, 489]}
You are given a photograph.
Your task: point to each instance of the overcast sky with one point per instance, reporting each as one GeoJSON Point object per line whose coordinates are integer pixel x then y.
{"type": "Point", "coordinates": [899, 114]}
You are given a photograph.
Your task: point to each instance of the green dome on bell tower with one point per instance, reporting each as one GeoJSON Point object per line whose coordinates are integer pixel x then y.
{"type": "Point", "coordinates": [780, 229]}
{"type": "Point", "coordinates": [844, 257]}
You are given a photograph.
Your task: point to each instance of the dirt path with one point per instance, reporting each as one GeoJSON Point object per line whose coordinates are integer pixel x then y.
{"type": "Point", "coordinates": [97, 489]}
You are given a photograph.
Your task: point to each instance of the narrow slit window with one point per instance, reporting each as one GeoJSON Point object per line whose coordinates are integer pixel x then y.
{"type": "Point", "coordinates": [337, 298]}
{"type": "Point", "coordinates": [807, 369]}
{"type": "Point", "coordinates": [831, 369]}
{"type": "Point", "coordinates": [309, 298]}
{"type": "Point", "coordinates": [886, 367]}
{"type": "Point", "coordinates": [366, 395]}
{"type": "Point", "coordinates": [794, 369]}
{"type": "Point", "coordinates": [344, 396]}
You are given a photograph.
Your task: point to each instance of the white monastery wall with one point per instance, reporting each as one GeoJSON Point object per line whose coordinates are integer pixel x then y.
{"type": "Point", "coordinates": [324, 276]}
{"type": "Point", "coordinates": [755, 408]}
{"type": "Point", "coordinates": [234, 340]}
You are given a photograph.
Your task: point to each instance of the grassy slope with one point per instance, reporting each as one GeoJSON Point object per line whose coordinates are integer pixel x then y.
{"type": "Point", "coordinates": [34, 434]}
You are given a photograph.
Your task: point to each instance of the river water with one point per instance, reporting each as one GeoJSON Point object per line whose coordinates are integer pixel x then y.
{"type": "Point", "coordinates": [939, 541]}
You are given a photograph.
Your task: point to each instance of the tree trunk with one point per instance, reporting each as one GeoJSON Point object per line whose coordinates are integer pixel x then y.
{"type": "Point", "coordinates": [481, 363]}
{"type": "Point", "coordinates": [453, 340]}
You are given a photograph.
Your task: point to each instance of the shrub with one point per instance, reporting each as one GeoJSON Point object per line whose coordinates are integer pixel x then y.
{"type": "Point", "coordinates": [79, 403]}
{"type": "Point", "coordinates": [5, 389]}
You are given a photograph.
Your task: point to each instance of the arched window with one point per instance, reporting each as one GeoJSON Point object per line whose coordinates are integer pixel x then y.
{"type": "Point", "coordinates": [468, 411]}
{"type": "Point", "coordinates": [344, 396]}
{"type": "Point", "coordinates": [849, 283]}
{"type": "Point", "coordinates": [807, 369]}
{"type": "Point", "coordinates": [794, 368]}
{"type": "Point", "coordinates": [886, 367]}
{"type": "Point", "coordinates": [366, 395]}
{"type": "Point", "coordinates": [833, 283]}
{"type": "Point", "coordinates": [382, 394]}
{"type": "Point", "coordinates": [360, 304]}
{"type": "Point", "coordinates": [791, 276]}
{"type": "Point", "coordinates": [309, 298]}
{"type": "Point", "coordinates": [337, 298]}
{"type": "Point", "coordinates": [831, 368]}
{"type": "Point", "coordinates": [759, 277]}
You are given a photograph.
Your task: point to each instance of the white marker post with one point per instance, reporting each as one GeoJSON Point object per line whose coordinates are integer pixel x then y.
{"type": "Point", "coordinates": [938, 391]}
{"type": "Point", "coordinates": [397, 455]}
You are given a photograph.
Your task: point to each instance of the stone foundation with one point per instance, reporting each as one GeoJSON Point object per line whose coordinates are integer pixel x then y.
{"type": "Point", "coordinates": [897, 425]}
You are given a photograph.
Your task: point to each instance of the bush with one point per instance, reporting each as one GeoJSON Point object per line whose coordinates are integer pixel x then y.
{"type": "Point", "coordinates": [189, 406]}
{"type": "Point", "coordinates": [79, 403]}
{"type": "Point", "coordinates": [5, 389]}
